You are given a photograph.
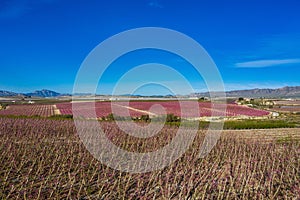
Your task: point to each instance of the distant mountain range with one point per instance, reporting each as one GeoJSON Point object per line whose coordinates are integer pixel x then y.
{"type": "Point", "coordinates": [4, 93]}
{"type": "Point", "coordinates": [285, 92]}
{"type": "Point", "coordinates": [37, 93]}
{"type": "Point", "coordinates": [43, 93]}
{"type": "Point", "coordinates": [279, 92]}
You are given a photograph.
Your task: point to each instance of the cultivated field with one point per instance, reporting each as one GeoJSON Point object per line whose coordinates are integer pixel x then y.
{"type": "Point", "coordinates": [184, 109]}
{"type": "Point", "coordinates": [286, 106]}
{"type": "Point", "coordinates": [295, 102]}
{"type": "Point", "coordinates": [138, 108]}
{"type": "Point", "coordinates": [44, 158]}
{"type": "Point", "coordinates": [29, 110]}
{"type": "Point", "coordinates": [287, 109]}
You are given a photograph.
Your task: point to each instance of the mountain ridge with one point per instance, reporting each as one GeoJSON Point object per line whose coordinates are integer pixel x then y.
{"type": "Point", "coordinates": [37, 93]}
{"type": "Point", "coordinates": [43, 93]}
{"type": "Point", "coordinates": [287, 92]}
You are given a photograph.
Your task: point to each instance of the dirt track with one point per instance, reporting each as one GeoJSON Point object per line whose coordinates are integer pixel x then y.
{"type": "Point", "coordinates": [134, 109]}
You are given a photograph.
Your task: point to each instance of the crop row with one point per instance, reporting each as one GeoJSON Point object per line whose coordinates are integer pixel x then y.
{"type": "Point", "coordinates": [29, 110]}
{"type": "Point", "coordinates": [45, 159]}
{"type": "Point", "coordinates": [102, 109]}
{"type": "Point", "coordinates": [136, 109]}
{"type": "Point", "coordinates": [183, 109]}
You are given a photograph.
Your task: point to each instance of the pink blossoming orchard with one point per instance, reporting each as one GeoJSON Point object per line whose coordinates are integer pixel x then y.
{"type": "Point", "coordinates": [138, 108]}
{"type": "Point", "coordinates": [29, 110]}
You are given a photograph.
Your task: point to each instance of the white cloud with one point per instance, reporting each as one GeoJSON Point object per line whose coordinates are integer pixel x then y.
{"type": "Point", "coordinates": [17, 8]}
{"type": "Point", "coordinates": [155, 4]}
{"type": "Point", "coordinates": [266, 63]}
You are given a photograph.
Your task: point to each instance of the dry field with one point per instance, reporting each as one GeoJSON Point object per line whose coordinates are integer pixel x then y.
{"type": "Point", "coordinates": [287, 109]}
{"type": "Point", "coordinates": [44, 159]}
{"type": "Point", "coordinates": [295, 102]}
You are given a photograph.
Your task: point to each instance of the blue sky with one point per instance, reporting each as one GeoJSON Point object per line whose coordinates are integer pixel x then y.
{"type": "Point", "coordinates": [43, 42]}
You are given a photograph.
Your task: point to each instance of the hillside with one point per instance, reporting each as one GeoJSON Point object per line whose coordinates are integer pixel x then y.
{"type": "Point", "coordinates": [279, 92]}
{"type": "Point", "coordinates": [43, 93]}
{"type": "Point", "coordinates": [4, 93]}
{"type": "Point", "coordinates": [285, 92]}
{"type": "Point", "coordinates": [37, 93]}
